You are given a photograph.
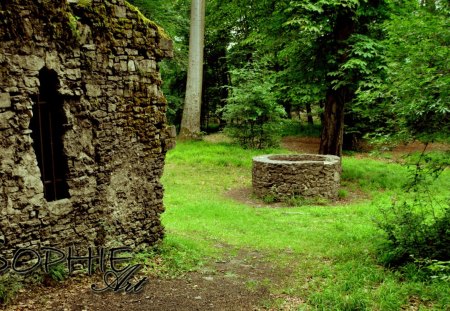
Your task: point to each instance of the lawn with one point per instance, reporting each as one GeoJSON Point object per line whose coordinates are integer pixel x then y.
{"type": "Point", "coordinates": [331, 249]}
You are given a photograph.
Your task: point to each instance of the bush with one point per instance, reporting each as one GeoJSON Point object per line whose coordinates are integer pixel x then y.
{"type": "Point", "coordinates": [415, 233]}
{"type": "Point", "coordinates": [253, 116]}
{"type": "Point", "coordinates": [418, 227]}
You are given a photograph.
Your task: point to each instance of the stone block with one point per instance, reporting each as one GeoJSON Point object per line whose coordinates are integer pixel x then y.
{"type": "Point", "coordinates": [147, 65]}
{"type": "Point", "coordinates": [93, 90]}
{"type": "Point", "coordinates": [5, 100]}
{"type": "Point", "coordinates": [305, 175]}
{"type": "Point", "coordinates": [32, 63]}
{"type": "Point", "coordinates": [52, 61]}
{"type": "Point", "coordinates": [120, 11]}
{"type": "Point", "coordinates": [123, 66]}
{"type": "Point", "coordinates": [131, 66]}
{"type": "Point", "coordinates": [31, 81]}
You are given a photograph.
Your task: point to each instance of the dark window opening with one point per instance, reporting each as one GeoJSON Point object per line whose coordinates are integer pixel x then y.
{"type": "Point", "coordinates": [47, 126]}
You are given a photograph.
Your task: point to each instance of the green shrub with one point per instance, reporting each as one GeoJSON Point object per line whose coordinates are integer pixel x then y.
{"type": "Point", "coordinates": [418, 227]}
{"type": "Point", "coordinates": [342, 193]}
{"type": "Point", "coordinates": [58, 272]}
{"type": "Point", "coordinates": [172, 258]}
{"type": "Point", "coordinates": [269, 198]}
{"type": "Point", "coordinates": [415, 233]}
{"type": "Point", "coordinates": [253, 116]}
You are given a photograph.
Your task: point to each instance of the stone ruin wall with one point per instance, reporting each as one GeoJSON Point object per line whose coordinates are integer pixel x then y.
{"type": "Point", "coordinates": [105, 55]}
{"type": "Point", "coordinates": [305, 175]}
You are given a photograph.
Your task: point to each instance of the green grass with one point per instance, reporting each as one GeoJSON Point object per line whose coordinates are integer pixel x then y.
{"type": "Point", "coordinates": [174, 257]}
{"type": "Point", "coordinates": [332, 248]}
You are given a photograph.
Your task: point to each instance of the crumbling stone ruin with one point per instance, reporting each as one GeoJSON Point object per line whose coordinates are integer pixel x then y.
{"type": "Point", "coordinates": [83, 131]}
{"type": "Point", "coordinates": [303, 175]}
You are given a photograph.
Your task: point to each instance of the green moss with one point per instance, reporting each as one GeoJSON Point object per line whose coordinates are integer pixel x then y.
{"type": "Point", "coordinates": [84, 3]}
{"type": "Point", "coordinates": [73, 24]}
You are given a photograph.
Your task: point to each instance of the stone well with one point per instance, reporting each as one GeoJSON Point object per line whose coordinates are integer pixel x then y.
{"type": "Point", "coordinates": [305, 175]}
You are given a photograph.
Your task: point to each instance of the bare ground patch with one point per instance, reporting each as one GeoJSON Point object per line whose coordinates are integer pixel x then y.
{"type": "Point", "coordinates": [240, 282]}
{"type": "Point", "coordinates": [311, 145]}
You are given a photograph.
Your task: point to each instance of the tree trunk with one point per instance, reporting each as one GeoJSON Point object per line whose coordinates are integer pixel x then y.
{"type": "Point", "coordinates": [333, 123]}
{"type": "Point", "coordinates": [309, 113]}
{"type": "Point", "coordinates": [190, 123]}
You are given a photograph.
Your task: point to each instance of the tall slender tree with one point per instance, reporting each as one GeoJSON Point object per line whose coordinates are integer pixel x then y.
{"type": "Point", "coordinates": [190, 123]}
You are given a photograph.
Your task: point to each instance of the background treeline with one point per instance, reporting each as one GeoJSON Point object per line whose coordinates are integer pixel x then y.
{"type": "Point", "coordinates": [379, 67]}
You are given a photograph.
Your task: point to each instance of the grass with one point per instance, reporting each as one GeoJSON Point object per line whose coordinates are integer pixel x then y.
{"type": "Point", "coordinates": [332, 248]}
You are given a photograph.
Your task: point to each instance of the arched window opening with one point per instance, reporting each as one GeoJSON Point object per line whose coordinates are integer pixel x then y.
{"type": "Point", "coordinates": [47, 133]}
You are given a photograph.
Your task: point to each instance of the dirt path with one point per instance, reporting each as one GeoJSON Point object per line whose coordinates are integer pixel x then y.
{"type": "Point", "coordinates": [236, 283]}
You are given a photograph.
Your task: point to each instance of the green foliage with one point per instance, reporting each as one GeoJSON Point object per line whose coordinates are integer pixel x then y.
{"type": "Point", "coordinates": [415, 232]}
{"type": "Point", "coordinates": [410, 93]}
{"type": "Point", "coordinates": [73, 25]}
{"type": "Point", "coordinates": [342, 193]}
{"type": "Point", "coordinates": [296, 128]}
{"type": "Point", "coordinates": [296, 201]}
{"type": "Point", "coordinates": [252, 114]}
{"type": "Point", "coordinates": [418, 81]}
{"type": "Point", "coordinates": [438, 269]}
{"type": "Point", "coordinates": [269, 198]}
{"type": "Point", "coordinates": [58, 272]}
{"type": "Point", "coordinates": [84, 3]}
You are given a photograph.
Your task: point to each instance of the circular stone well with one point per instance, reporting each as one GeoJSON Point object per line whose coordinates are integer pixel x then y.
{"type": "Point", "coordinates": [305, 175]}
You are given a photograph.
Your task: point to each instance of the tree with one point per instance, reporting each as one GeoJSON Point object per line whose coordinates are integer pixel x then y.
{"type": "Point", "coordinates": [413, 89]}
{"type": "Point", "coordinates": [345, 49]}
{"type": "Point", "coordinates": [252, 113]}
{"type": "Point", "coordinates": [190, 123]}
{"type": "Point", "coordinates": [309, 50]}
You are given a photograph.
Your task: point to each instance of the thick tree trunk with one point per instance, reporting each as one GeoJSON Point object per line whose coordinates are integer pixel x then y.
{"type": "Point", "coordinates": [190, 123]}
{"type": "Point", "coordinates": [333, 124]}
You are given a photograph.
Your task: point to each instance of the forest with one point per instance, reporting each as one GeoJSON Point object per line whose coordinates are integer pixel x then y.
{"type": "Point", "coordinates": [363, 69]}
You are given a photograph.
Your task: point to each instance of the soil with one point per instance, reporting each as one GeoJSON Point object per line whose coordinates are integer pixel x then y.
{"type": "Point", "coordinates": [301, 144]}
{"type": "Point", "coordinates": [311, 145]}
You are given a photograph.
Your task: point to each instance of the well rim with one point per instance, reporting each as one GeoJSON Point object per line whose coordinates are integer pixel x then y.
{"type": "Point", "coordinates": [275, 159]}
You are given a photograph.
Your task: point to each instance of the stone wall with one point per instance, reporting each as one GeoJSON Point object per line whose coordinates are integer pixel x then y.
{"type": "Point", "coordinates": [305, 175]}
{"type": "Point", "coordinates": [105, 55]}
